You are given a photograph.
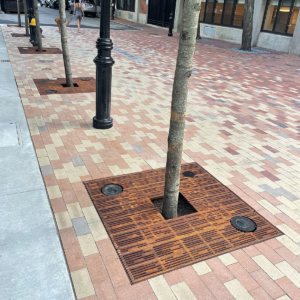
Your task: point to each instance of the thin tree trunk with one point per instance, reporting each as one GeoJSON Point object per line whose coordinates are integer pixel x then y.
{"type": "Point", "coordinates": [26, 18]}
{"type": "Point", "coordinates": [19, 16]}
{"type": "Point", "coordinates": [183, 72]}
{"type": "Point", "coordinates": [64, 43]}
{"type": "Point", "coordinates": [247, 25]}
{"type": "Point", "coordinates": [37, 28]}
{"type": "Point", "coordinates": [198, 37]}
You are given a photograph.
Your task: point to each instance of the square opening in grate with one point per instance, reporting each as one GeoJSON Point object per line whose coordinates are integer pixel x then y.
{"type": "Point", "coordinates": [184, 207]}
{"type": "Point", "coordinates": [65, 85]}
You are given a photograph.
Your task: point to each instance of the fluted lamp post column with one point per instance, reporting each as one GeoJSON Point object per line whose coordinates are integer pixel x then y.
{"type": "Point", "coordinates": [104, 63]}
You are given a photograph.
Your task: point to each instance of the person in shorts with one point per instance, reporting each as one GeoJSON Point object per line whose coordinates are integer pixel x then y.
{"type": "Point", "coordinates": [78, 13]}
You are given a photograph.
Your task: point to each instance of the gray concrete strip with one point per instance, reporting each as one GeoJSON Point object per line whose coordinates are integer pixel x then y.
{"type": "Point", "coordinates": [32, 262]}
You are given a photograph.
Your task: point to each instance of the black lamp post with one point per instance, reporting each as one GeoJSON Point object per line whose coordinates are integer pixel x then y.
{"type": "Point", "coordinates": [104, 63]}
{"type": "Point", "coordinates": [171, 19]}
{"type": "Point", "coordinates": [113, 8]}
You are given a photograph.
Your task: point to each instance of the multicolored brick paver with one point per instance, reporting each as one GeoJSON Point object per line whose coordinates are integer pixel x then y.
{"type": "Point", "coordinates": [243, 126]}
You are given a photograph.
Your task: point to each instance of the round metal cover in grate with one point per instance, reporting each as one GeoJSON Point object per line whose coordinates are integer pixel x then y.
{"type": "Point", "coordinates": [45, 80]}
{"type": "Point", "coordinates": [51, 91]}
{"type": "Point", "coordinates": [243, 224]}
{"type": "Point", "coordinates": [85, 79]}
{"type": "Point", "coordinates": [188, 174]}
{"type": "Point", "coordinates": [46, 69]}
{"type": "Point", "coordinates": [112, 189]}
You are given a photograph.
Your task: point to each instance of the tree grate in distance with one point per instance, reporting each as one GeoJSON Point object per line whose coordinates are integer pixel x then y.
{"type": "Point", "coordinates": [85, 79]}
{"type": "Point", "coordinates": [51, 91]}
{"type": "Point", "coordinates": [188, 174]}
{"type": "Point", "coordinates": [148, 245]}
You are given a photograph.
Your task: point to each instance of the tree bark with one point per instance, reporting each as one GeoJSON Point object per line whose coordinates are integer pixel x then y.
{"type": "Point", "coordinates": [183, 72]}
{"type": "Point", "coordinates": [19, 16]}
{"type": "Point", "coordinates": [247, 25]}
{"type": "Point", "coordinates": [26, 18]}
{"type": "Point", "coordinates": [37, 21]}
{"type": "Point", "coordinates": [198, 37]}
{"type": "Point", "coordinates": [64, 43]}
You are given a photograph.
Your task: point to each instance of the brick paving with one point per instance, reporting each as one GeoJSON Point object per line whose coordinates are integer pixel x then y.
{"type": "Point", "coordinates": [243, 126]}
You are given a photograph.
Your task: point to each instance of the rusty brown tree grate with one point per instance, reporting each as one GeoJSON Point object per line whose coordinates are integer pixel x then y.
{"type": "Point", "coordinates": [33, 50]}
{"type": "Point", "coordinates": [149, 245]}
{"type": "Point", "coordinates": [57, 85]}
{"type": "Point", "coordinates": [21, 35]}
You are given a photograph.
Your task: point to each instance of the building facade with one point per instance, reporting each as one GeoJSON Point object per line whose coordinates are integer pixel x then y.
{"type": "Point", "coordinates": [276, 23]}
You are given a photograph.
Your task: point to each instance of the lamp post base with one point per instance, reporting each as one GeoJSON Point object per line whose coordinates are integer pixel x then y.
{"type": "Point", "coordinates": [102, 124]}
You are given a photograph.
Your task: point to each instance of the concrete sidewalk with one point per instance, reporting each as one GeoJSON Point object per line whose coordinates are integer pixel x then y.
{"type": "Point", "coordinates": [32, 263]}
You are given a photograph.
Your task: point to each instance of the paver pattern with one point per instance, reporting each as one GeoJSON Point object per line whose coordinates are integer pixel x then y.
{"type": "Point", "coordinates": [243, 123]}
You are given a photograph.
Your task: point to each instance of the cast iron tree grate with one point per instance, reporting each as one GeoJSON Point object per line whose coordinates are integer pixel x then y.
{"type": "Point", "coordinates": [149, 245]}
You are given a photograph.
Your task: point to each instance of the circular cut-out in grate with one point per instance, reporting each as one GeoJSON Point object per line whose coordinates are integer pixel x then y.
{"type": "Point", "coordinates": [112, 189]}
{"type": "Point", "coordinates": [188, 174]}
{"type": "Point", "coordinates": [45, 80]}
{"type": "Point", "coordinates": [243, 224]}
{"type": "Point", "coordinates": [51, 91]}
{"type": "Point", "coordinates": [46, 69]}
{"type": "Point", "coordinates": [85, 79]}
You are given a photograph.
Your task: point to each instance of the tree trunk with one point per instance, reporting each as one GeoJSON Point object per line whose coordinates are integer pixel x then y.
{"type": "Point", "coordinates": [37, 21]}
{"type": "Point", "coordinates": [64, 43]}
{"type": "Point", "coordinates": [198, 37]}
{"type": "Point", "coordinates": [247, 25]}
{"type": "Point", "coordinates": [26, 18]}
{"type": "Point", "coordinates": [183, 71]}
{"type": "Point", "coordinates": [19, 16]}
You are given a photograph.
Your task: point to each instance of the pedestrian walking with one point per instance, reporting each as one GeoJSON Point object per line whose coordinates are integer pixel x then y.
{"type": "Point", "coordinates": [79, 13]}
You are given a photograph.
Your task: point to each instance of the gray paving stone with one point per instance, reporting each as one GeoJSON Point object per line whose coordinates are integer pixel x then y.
{"type": "Point", "coordinates": [210, 116]}
{"type": "Point", "coordinates": [283, 135]}
{"type": "Point", "coordinates": [77, 161]}
{"type": "Point", "coordinates": [47, 170]}
{"type": "Point", "coordinates": [271, 191]}
{"type": "Point", "coordinates": [81, 226]}
{"type": "Point", "coordinates": [281, 125]}
{"type": "Point", "coordinates": [200, 118]}
{"type": "Point", "coordinates": [155, 110]}
{"type": "Point", "coordinates": [160, 105]}
{"type": "Point", "coordinates": [138, 148]}
{"type": "Point", "coordinates": [252, 112]}
{"type": "Point", "coordinates": [287, 194]}
{"type": "Point", "coordinates": [67, 100]}
{"type": "Point", "coordinates": [271, 159]}
{"type": "Point", "coordinates": [40, 102]}
{"type": "Point", "coordinates": [294, 148]}
{"type": "Point", "coordinates": [42, 128]}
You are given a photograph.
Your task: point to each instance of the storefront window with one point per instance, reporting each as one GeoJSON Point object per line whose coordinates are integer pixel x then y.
{"type": "Point", "coordinates": [202, 10]}
{"type": "Point", "coordinates": [238, 14]}
{"type": "Point", "coordinates": [228, 12]}
{"type": "Point", "coordinates": [223, 12]}
{"type": "Point", "coordinates": [281, 16]}
{"type": "Point", "coordinates": [294, 17]}
{"type": "Point", "coordinates": [209, 11]}
{"type": "Point", "coordinates": [126, 5]}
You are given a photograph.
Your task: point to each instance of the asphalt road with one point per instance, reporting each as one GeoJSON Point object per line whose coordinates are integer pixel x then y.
{"type": "Point", "coordinates": [47, 16]}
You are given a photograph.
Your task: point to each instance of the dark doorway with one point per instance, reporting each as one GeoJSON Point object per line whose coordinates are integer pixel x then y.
{"type": "Point", "coordinates": [159, 12]}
